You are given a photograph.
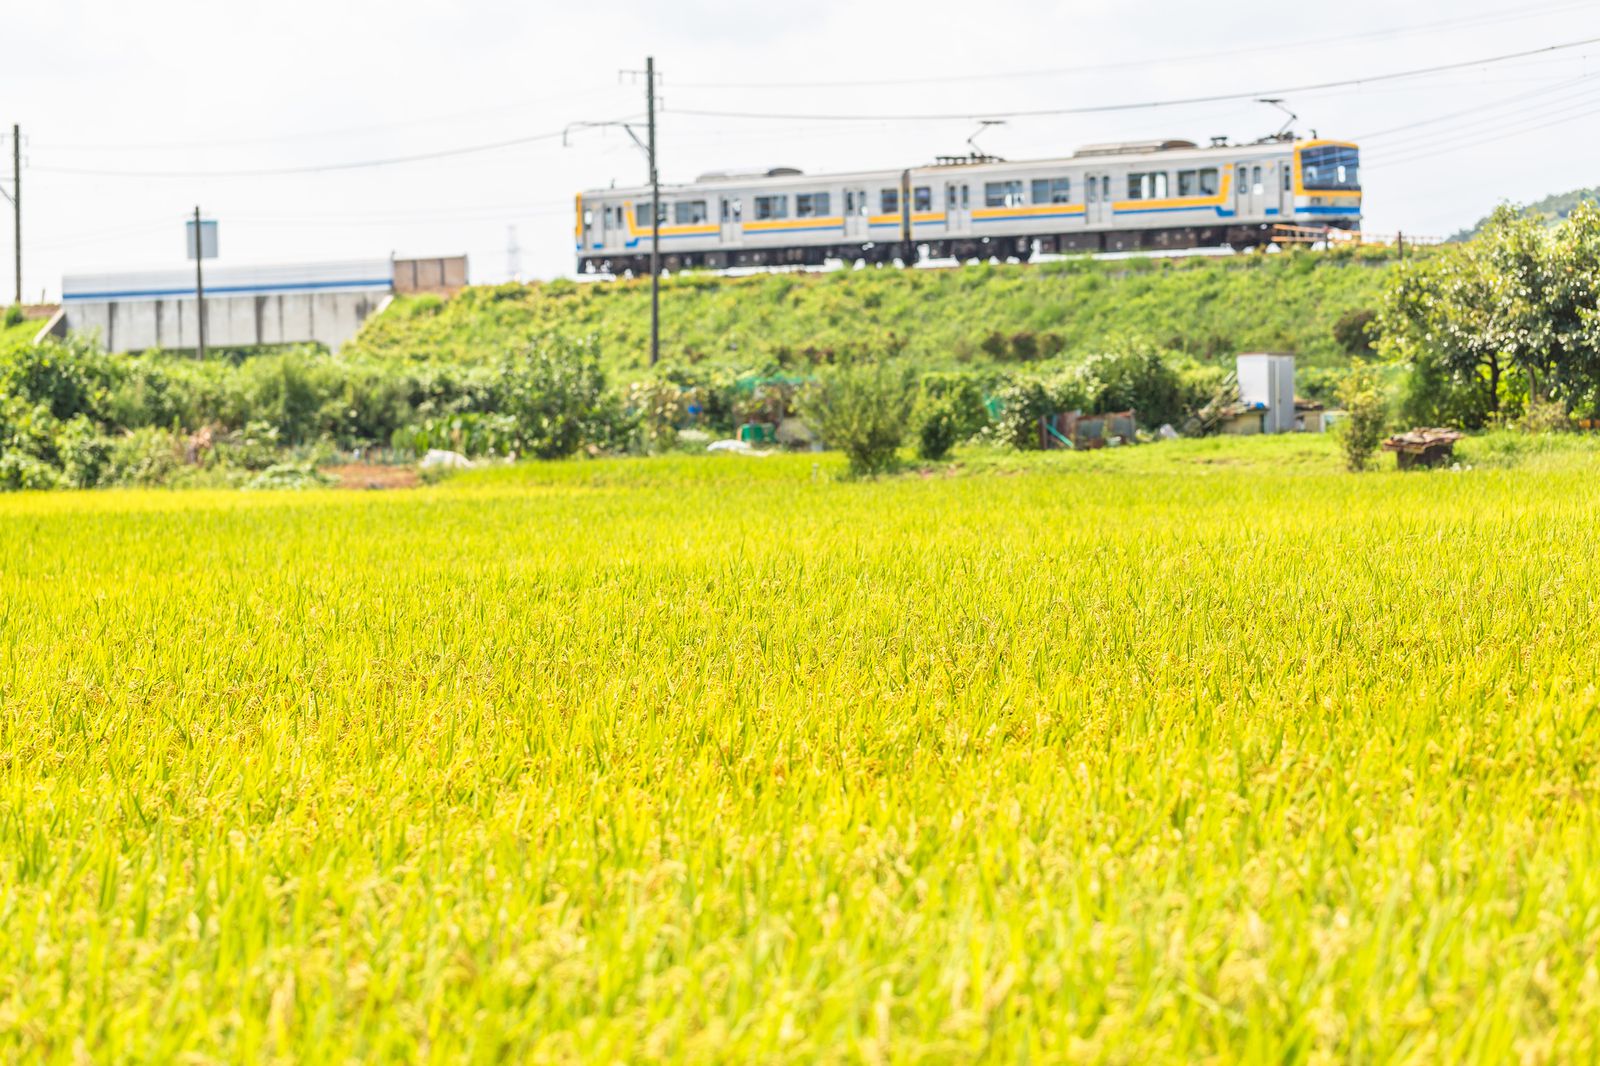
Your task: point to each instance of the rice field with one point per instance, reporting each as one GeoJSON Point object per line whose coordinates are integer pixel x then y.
{"type": "Point", "coordinates": [1194, 752]}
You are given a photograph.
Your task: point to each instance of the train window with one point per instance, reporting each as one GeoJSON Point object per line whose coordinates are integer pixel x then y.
{"type": "Point", "coordinates": [641, 214]}
{"type": "Point", "coordinates": [922, 198]}
{"type": "Point", "coordinates": [1197, 182]}
{"type": "Point", "coordinates": [732, 209]}
{"type": "Point", "coordinates": [1287, 174]}
{"type": "Point", "coordinates": [889, 201]}
{"type": "Point", "coordinates": [1256, 188]}
{"type": "Point", "coordinates": [1093, 191]}
{"type": "Point", "coordinates": [1052, 190]}
{"type": "Point", "coordinates": [1330, 167]}
{"type": "Point", "coordinates": [772, 207]}
{"type": "Point", "coordinates": [1240, 184]}
{"type": "Point", "coordinates": [1105, 188]}
{"type": "Point", "coordinates": [689, 212]}
{"type": "Point", "coordinates": [1002, 193]}
{"type": "Point", "coordinates": [810, 204]}
{"type": "Point", "coordinates": [588, 217]}
{"type": "Point", "coordinates": [1148, 186]}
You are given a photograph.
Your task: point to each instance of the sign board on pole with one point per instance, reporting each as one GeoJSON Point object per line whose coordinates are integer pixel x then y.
{"type": "Point", "coordinates": [208, 239]}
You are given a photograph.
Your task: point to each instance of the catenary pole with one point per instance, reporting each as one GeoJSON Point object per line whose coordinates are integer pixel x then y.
{"type": "Point", "coordinates": [655, 215]}
{"type": "Point", "coordinates": [16, 198]}
{"type": "Point", "coordinates": [199, 288]}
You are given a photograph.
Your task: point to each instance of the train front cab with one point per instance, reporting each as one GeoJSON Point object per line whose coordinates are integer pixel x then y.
{"type": "Point", "coordinates": [1327, 184]}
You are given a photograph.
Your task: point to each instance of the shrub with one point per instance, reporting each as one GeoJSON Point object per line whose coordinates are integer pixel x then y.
{"type": "Point", "coordinates": [1361, 396]}
{"type": "Point", "coordinates": [938, 427]}
{"type": "Point", "coordinates": [555, 393]}
{"type": "Point", "coordinates": [1352, 330]}
{"type": "Point", "coordinates": [862, 409]}
{"type": "Point", "coordinates": [1024, 401]}
{"type": "Point", "coordinates": [964, 394]}
{"type": "Point", "coordinates": [13, 316]}
{"type": "Point", "coordinates": [1545, 416]}
{"type": "Point", "coordinates": [147, 456]}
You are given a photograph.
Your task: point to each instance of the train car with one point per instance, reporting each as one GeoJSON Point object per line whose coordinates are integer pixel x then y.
{"type": "Point", "coordinates": [1104, 198]}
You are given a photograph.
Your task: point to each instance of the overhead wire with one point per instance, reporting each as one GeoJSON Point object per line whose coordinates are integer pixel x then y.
{"type": "Point", "coordinates": [321, 168]}
{"type": "Point", "coordinates": [1519, 13]}
{"type": "Point", "coordinates": [346, 131]}
{"type": "Point", "coordinates": [1092, 109]}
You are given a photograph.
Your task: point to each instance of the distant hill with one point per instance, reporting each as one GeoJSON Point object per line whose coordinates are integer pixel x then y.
{"type": "Point", "coordinates": [1552, 209]}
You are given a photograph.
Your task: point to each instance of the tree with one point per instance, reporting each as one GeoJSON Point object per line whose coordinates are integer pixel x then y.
{"type": "Point", "coordinates": [1507, 317]}
{"type": "Point", "coordinates": [1361, 397]}
{"type": "Point", "coordinates": [862, 409]}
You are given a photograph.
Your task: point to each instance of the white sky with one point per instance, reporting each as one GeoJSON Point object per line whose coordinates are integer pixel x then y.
{"type": "Point", "coordinates": [183, 88]}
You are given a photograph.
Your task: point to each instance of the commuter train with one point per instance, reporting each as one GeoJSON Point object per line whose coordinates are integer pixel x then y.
{"type": "Point", "coordinates": [1104, 198]}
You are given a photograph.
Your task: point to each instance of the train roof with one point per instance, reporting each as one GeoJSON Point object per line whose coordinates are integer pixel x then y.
{"type": "Point", "coordinates": [1089, 155]}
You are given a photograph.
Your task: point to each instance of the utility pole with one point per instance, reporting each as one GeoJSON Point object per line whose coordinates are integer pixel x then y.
{"type": "Point", "coordinates": [199, 288]}
{"type": "Point", "coordinates": [15, 196]}
{"type": "Point", "coordinates": [655, 214]}
{"type": "Point", "coordinates": [648, 146]}
{"type": "Point", "coordinates": [513, 255]}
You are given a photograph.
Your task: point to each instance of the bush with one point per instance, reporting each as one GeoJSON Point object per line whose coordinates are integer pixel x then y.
{"type": "Point", "coordinates": [1361, 396]}
{"type": "Point", "coordinates": [861, 409]}
{"type": "Point", "coordinates": [1545, 416]}
{"type": "Point", "coordinates": [1024, 401]}
{"type": "Point", "coordinates": [965, 395]}
{"type": "Point", "coordinates": [1142, 379]}
{"type": "Point", "coordinates": [1353, 331]}
{"type": "Point", "coordinates": [555, 393]}
{"type": "Point", "coordinates": [147, 456]}
{"type": "Point", "coordinates": [938, 427]}
{"type": "Point", "coordinates": [13, 316]}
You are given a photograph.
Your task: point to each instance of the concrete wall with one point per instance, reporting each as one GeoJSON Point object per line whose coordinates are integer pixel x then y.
{"type": "Point", "coordinates": [321, 303]}
{"type": "Point", "coordinates": [445, 274]}
{"type": "Point", "coordinates": [327, 318]}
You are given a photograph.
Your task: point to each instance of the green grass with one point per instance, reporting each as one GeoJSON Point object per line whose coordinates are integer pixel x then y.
{"type": "Point", "coordinates": [20, 334]}
{"type": "Point", "coordinates": [1178, 753]}
{"type": "Point", "coordinates": [1209, 308]}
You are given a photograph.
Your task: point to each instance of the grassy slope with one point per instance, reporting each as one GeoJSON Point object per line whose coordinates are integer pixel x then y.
{"type": "Point", "coordinates": [1208, 307]}
{"type": "Point", "coordinates": [1161, 760]}
{"type": "Point", "coordinates": [19, 334]}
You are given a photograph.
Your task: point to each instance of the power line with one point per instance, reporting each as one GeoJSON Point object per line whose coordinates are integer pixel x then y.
{"type": "Point", "coordinates": [1482, 18]}
{"type": "Point", "coordinates": [1144, 104]}
{"type": "Point", "coordinates": [1492, 138]}
{"type": "Point", "coordinates": [422, 120]}
{"type": "Point", "coordinates": [1449, 141]}
{"type": "Point", "coordinates": [316, 168]}
{"type": "Point", "coordinates": [1476, 110]}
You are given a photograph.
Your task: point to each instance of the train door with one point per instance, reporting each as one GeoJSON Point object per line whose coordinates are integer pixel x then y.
{"type": "Point", "coordinates": [732, 220]}
{"type": "Point", "coordinates": [855, 215]}
{"type": "Point", "coordinates": [1249, 190]}
{"type": "Point", "coordinates": [1096, 197]}
{"type": "Point", "coordinates": [957, 207]}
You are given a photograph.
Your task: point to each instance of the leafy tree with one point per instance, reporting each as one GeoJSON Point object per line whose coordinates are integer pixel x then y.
{"type": "Point", "coordinates": [1361, 396]}
{"type": "Point", "coordinates": [1507, 317]}
{"type": "Point", "coordinates": [555, 392]}
{"type": "Point", "coordinates": [862, 409]}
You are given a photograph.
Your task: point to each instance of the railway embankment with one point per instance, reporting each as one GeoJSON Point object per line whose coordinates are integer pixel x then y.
{"type": "Point", "coordinates": [1309, 303]}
